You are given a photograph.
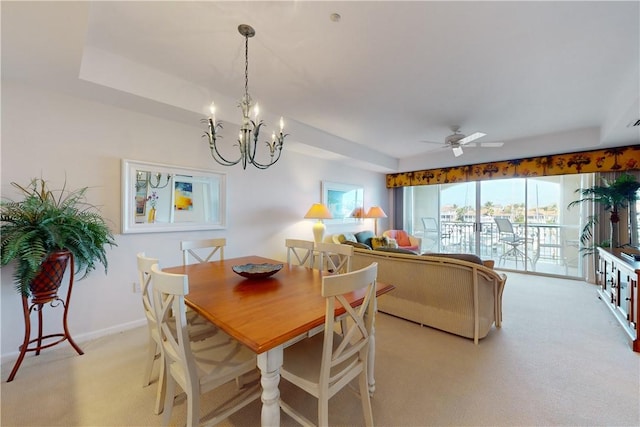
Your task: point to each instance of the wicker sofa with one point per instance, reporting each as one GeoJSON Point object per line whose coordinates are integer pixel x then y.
{"type": "Point", "coordinates": [460, 296]}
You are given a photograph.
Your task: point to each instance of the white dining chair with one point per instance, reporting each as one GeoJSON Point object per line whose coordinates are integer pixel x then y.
{"type": "Point", "coordinates": [197, 366]}
{"type": "Point", "coordinates": [202, 250]}
{"type": "Point", "coordinates": [300, 252]}
{"type": "Point", "coordinates": [153, 353]}
{"type": "Point", "coordinates": [334, 257]}
{"type": "Point", "coordinates": [199, 328]}
{"type": "Point", "coordinates": [325, 363]}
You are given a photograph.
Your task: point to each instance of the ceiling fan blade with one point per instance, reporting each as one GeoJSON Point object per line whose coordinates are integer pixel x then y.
{"type": "Point", "coordinates": [457, 151]}
{"type": "Point", "coordinates": [484, 144]}
{"type": "Point", "coordinates": [472, 137]}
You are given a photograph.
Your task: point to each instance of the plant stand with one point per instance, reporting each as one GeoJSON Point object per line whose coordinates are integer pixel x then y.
{"type": "Point", "coordinates": [38, 301]}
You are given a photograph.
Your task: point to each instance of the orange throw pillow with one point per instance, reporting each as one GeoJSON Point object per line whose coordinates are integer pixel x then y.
{"type": "Point", "coordinates": [402, 238]}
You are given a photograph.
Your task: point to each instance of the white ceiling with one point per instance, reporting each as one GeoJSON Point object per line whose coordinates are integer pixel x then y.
{"type": "Point", "coordinates": [372, 86]}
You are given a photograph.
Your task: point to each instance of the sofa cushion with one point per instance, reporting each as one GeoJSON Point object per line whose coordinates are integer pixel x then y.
{"type": "Point", "coordinates": [365, 237]}
{"type": "Point", "coordinates": [357, 244]}
{"type": "Point", "coordinates": [397, 250]}
{"type": "Point", "coordinates": [464, 257]}
{"type": "Point", "coordinates": [347, 237]}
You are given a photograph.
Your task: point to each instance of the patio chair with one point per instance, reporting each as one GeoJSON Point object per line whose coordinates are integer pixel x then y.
{"type": "Point", "coordinates": [510, 238]}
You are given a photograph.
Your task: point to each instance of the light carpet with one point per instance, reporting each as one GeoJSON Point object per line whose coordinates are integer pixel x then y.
{"type": "Point", "coordinates": [560, 359]}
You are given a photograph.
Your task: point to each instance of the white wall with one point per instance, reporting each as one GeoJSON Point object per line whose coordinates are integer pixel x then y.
{"type": "Point", "coordinates": [52, 135]}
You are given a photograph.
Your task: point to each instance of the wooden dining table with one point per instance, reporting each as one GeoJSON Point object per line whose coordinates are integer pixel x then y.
{"type": "Point", "coordinates": [265, 314]}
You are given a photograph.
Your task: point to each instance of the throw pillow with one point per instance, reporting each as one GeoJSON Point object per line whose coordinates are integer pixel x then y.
{"type": "Point", "coordinates": [365, 237]}
{"type": "Point", "coordinates": [392, 243]}
{"type": "Point", "coordinates": [379, 242]}
{"type": "Point", "coordinates": [347, 237]}
{"type": "Point", "coordinates": [402, 238]}
{"type": "Point", "coordinates": [357, 245]}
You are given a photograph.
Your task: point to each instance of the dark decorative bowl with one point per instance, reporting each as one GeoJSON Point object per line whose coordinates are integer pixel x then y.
{"type": "Point", "coordinates": [256, 271]}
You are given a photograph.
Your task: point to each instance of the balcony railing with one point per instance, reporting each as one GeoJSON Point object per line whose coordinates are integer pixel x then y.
{"type": "Point", "coordinates": [544, 243]}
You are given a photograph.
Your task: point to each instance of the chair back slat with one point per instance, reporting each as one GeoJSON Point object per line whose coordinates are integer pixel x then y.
{"type": "Point", "coordinates": [335, 258]}
{"type": "Point", "coordinates": [301, 250]}
{"type": "Point", "coordinates": [197, 249]}
{"type": "Point", "coordinates": [144, 277]}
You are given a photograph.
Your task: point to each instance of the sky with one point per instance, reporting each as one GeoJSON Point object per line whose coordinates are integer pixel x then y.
{"type": "Point", "coordinates": [502, 192]}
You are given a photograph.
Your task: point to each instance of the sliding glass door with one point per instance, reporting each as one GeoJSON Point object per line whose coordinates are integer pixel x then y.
{"type": "Point", "coordinates": [537, 233]}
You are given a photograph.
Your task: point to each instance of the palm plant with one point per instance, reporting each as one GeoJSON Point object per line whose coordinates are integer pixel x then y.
{"type": "Point", "coordinates": [613, 196]}
{"type": "Point", "coordinates": [44, 222]}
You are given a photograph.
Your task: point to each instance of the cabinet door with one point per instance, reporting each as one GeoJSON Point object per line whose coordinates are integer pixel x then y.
{"type": "Point", "coordinates": [625, 304]}
{"type": "Point", "coordinates": [612, 283]}
{"type": "Point", "coordinates": [634, 315]}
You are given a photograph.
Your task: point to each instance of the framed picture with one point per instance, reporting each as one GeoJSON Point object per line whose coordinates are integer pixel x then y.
{"type": "Point", "coordinates": [344, 201]}
{"type": "Point", "coordinates": [175, 198]}
{"type": "Point", "coordinates": [141, 196]}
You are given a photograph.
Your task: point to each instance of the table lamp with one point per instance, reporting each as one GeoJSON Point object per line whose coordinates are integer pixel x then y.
{"type": "Point", "coordinates": [376, 212]}
{"type": "Point", "coordinates": [318, 211]}
{"type": "Point", "coordinates": [357, 213]}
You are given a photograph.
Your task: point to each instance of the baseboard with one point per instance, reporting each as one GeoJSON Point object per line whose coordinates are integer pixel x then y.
{"type": "Point", "coordinates": [89, 336]}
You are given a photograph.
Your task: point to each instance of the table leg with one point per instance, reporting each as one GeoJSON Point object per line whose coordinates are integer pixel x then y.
{"type": "Point", "coordinates": [269, 364]}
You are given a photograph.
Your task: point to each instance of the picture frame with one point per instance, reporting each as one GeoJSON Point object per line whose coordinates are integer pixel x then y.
{"type": "Point", "coordinates": [162, 198]}
{"type": "Point", "coordinates": [344, 201]}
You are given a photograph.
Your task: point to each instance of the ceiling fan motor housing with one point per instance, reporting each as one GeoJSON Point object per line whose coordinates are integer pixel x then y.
{"type": "Point", "coordinates": [454, 139]}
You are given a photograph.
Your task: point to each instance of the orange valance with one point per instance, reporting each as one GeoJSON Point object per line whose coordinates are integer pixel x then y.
{"type": "Point", "coordinates": [606, 160]}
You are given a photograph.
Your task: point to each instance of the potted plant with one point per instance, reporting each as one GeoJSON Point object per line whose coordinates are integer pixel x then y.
{"type": "Point", "coordinates": [46, 228]}
{"type": "Point", "coordinates": [613, 196]}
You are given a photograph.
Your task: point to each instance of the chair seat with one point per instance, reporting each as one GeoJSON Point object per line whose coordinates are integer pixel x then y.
{"type": "Point", "coordinates": [199, 327]}
{"type": "Point", "coordinates": [218, 357]}
{"type": "Point", "coordinates": [515, 240]}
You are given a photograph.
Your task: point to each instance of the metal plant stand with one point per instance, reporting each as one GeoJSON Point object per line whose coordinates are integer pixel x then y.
{"type": "Point", "coordinates": [38, 301]}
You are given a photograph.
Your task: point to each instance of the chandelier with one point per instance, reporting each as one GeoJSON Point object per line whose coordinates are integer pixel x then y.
{"type": "Point", "coordinates": [249, 129]}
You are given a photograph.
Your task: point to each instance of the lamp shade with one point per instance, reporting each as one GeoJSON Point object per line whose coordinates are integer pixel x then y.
{"type": "Point", "coordinates": [357, 213]}
{"type": "Point", "coordinates": [376, 212]}
{"type": "Point", "coordinates": [318, 211]}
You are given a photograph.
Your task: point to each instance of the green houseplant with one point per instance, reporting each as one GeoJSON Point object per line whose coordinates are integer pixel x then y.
{"type": "Point", "coordinates": [613, 196]}
{"type": "Point", "coordinates": [46, 222]}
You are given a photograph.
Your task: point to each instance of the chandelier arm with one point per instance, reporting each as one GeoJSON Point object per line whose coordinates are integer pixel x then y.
{"type": "Point", "coordinates": [251, 151]}
{"type": "Point", "coordinates": [214, 148]}
{"type": "Point", "coordinates": [265, 166]}
{"type": "Point", "coordinates": [273, 146]}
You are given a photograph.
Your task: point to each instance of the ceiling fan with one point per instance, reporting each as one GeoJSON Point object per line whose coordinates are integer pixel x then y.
{"type": "Point", "coordinates": [457, 140]}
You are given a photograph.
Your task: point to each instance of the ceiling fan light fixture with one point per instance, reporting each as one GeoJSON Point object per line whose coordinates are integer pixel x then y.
{"type": "Point", "coordinates": [457, 151]}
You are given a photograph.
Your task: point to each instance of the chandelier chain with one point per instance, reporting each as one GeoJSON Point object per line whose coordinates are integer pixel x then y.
{"type": "Point", "coordinates": [246, 66]}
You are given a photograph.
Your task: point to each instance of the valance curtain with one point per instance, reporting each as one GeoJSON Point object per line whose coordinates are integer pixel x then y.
{"type": "Point", "coordinates": [615, 159]}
